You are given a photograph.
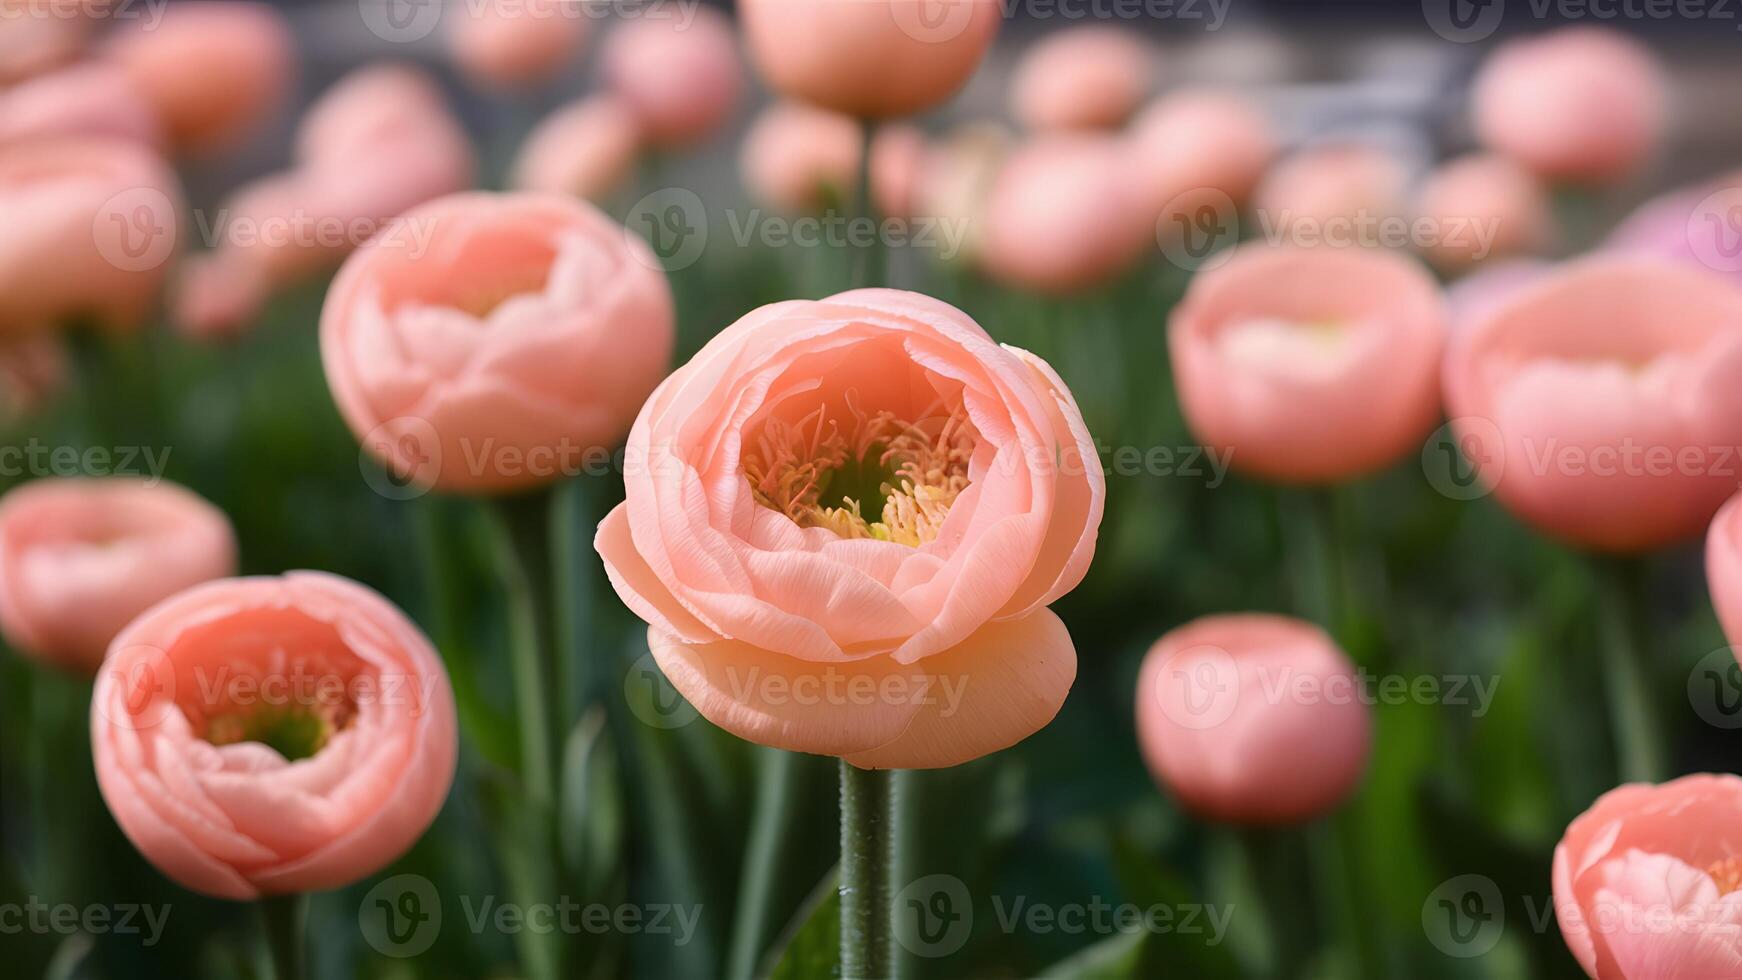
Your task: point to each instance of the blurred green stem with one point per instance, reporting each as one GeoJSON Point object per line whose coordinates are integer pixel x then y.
{"type": "Point", "coordinates": [523, 545]}
{"type": "Point", "coordinates": [772, 823]}
{"type": "Point", "coordinates": [282, 918]}
{"type": "Point", "coordinates": [1309, 542]}
{"type": "Point", "coordinates": [867, 861]}
{"type": "Point", "coordinates": [1622, 619]}
{"type": "Point", "coordinates": [869, 270]}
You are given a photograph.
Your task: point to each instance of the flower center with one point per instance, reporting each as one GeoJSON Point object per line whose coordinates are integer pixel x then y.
{"type": "Point", "coordinates": [876, 476]}
{"type": "Point", "coordinates": [296, 731]}
{"type": "Point", "coordinates": [1727, 874]}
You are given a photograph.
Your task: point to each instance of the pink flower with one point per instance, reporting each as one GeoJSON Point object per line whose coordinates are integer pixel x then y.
{"type": "Point", "coordinates": [1252, 719]}
{"type": "Point", "coordinates": [511, 44]}
{"type": "Point", "coordinates": [79, 558]}
{"type": "Point", "coordinates": [1483, 207]}
{"type": "Point", "coordinates": [585, 149]}
{"type": "Point", "coordinates": [1310, 365]}
{"type": "Point", "coordinates": [1603, 402]}
{"type": "Point", "coordinates": [91, 226]}
{"type": "Point", "coordinates": [35, 37]}
{"type": "Point", "coordinates": [681, 80]}
{"type": "Point", "coordinates": [87, 100]}
{"type": "Point", "coordinates": [1690, 224]}
{"type": "Point", "coordinates": [214, 71]}
{"type": "Point", "coordinates": [868, 58]}
{"type": "Point", "coordinates": [263, 736]}
{"type": "Point", "coordinates": [898, 161]}
{"type": "Point", "coordinates": [1081, 78]}
{"type": "Point", "coordinates": [844, 522]}
{"type": "Point", "coordinates": [1336, 192]}
{"type": "Point", "coordinates": [1648, 881]}
{"type": "Point", "coordinates": [489, 342]}
{"type": "Point", "coordinates": [1198, 139]}
{"type": "Point", "coordinates": [960, 171]}
{"type": "Point", "coordinates": [801, 159]}
{"type": "Point", "coordinates": [1724, 569]}
{"type": "Point", "coordinates": [1580, 103]}
{"type": "Point", "coordinates": [1063, 215]}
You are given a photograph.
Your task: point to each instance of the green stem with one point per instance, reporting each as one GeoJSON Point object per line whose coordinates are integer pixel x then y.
{"type": "Point", "coordinates": [867, 857]}
{"type": "Point", "coordinates": [869, 270]}
{"type": "Point", "coordinates": [524, 554]}
{"type": "Point", "coordinates": [771, 826]}
{"type": "Point", "coordinates": [1637, 731]}
{"type": "Point", "coordinates": [1309, 541]}
{"type": "Point", "coordinates": [282, 917]}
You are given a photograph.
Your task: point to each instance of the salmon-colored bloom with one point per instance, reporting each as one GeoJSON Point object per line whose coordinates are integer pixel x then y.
{"type": "Point", "coordinates": [1604, 402]}
{"type": "Point", "coordinates": [585, 149]}
{"type": "Point", "coordinates": [1690, 224]}
{"type": "Point", "coordinates": [490, 342]}
{"type": "Point", "coordinates": [1724, 568]}
{"type": "Point", "coordinates": [35, 39]}
{"type": "Point", "coordinates": [844, 521]}
{"type": "Point", "coordinates": [1648, 881]}
{"type": "Point", "coordinates": [214, 71]}
{"type": "Point", "coordinates": [1310, 365]}
{"type": "Point", "coordinates": [1064, 215]}
{"type": "Point", "coordinates": [1483, 207]}
{"type": "Point", "coordinates": [898, 161]}
{"type": "Point", "coordinates": [1581, 103]}
{"type": "Point", "coordinates": [1201, 139]}
{"type": "Point", "coordinates": [868, 58]}
{"type": "Point", "coordinates": [800, 159]}
{"type": "Point", "coordinates": [1081, 78]}
{"type": "Point", "coordinates": [511, 44]}
{"type": "Point", "coordinates": [91, 226]}
{"type": "Point", "coordinates": [274, 735]}
{"type": "Point", "coordinates": [86, 100]}
{"type": "Point", "coordinates": [79, 558]}
{"type": "Point", "coordinates": [1336, 192]}
{"type": "Point", "coordinates": [1253, 718]}
{"type": "Point", "coordinates": [681, 80]}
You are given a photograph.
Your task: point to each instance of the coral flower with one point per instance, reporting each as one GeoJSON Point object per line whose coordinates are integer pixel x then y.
{"type": "Point", "coordinates": [1336, 192]}
{"type": "Point", "coordinates": [1648, 881]}
{"type": "Point", "coordinates": [1724, 568]}
{"type": "Point", "coordinates": [585, 149]}
{"type": "Point", "coordinates": [1082, 78]}
{"type": "Point", "coordinates": [214, 71]}
{"type": "Point", "coordinates": [87, 100]}
{"type": "Point", "coordinates": [1064, 215]}
{"type": "Point", "coordinates": [801, 159]}
{"type": "Point", "coordinates": [1484, 207]}
{"type": "Point", "coordinates": [1193, 140]}
{"type": "Point", "coordinates": [1604, 403]}
{"type": "Point", "coordinates": [898, 160]}
{"type": "Point", "coordinates": [264, 736]}
{"type": "Point", "coordinates": [1694, 224]}
{"type": "Point", "coordinates": [491, 342]}
{"type": "Point", "coordinates": [868, 58]}
{"type": "Point", "coordinates": [682, 81]}
{"type": "Point", "coordinates": [510, 44]}
{"type": "Point", "coordinates": [79, 558]}
{"type": "Point", "coordinates": [91, 226]}
{"type": "Point", "coordinates": [1581, 103]}
{"type": "Point", "coordinates": [1252, 718]}
{"type": "Point", "coordinates": [1310, 365]}
{"type": "Point", "coordinates": [844, 525]}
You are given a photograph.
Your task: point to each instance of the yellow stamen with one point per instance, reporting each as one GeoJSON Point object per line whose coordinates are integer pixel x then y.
{"type": "Point", "coordinates": [1727, 874]}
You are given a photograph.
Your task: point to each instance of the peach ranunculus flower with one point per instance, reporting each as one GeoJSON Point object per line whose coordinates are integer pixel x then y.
{"type": "Point", "coordinates": [1252, 718]}
{"type": "Point", "coordinates": [377, 143]}
{"type": "Point", "coordinates": [844, 521]}
{"type": "Point", "coordinates": [585, 149]}
{"type": "Point", "coordinates": [493, 342]}
{"type": "Point", "coordinates": [273, 735]}
{"type": "Point", "coordinates": [1339, 193]}
{"type": "Point", "coordinates": [1648, 881]}
{"type": "Point", "coordinates": [868, 58]}
{"type": "Point", "coordinates": [1724, 569]}
{"type": "Point", "coordinates": [1310, 365]}
{"type": "Point", "coordinates": [91, 226]}
{"type": "Point", "coordinates": [1081, 78]}
{"type": "Point", "coordinates": [214, 71]}
{"type": "Point", "coordinates": [1581, 103]}
{"type": "Point", "coordinates": [1483, 207]}
{"type": "Point", "coordinates": [682, 81]}
{"type": "Point", "coordinates": [801, 159]}
{"type": "Point", "coordinates": [80, 557]}
{"type": "Point", "coordinates": [1064, 215]}
{"type": "Point", "coordinates": [1603, 403]}
{"type": "Point", "coordinates": [84, 100]}
{"type": "Point", "coordinates": [515, 44]}
{"type": "Point", "coordinates": [1201, 139]}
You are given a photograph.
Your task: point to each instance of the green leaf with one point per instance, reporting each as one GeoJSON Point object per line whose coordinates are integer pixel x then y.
{"type": "Point", "coordinates": [810, 948]}
{"type": "Point", "coordinates": [590, 805]}
{"type": "Point", "coordinates": [1118, 957]}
